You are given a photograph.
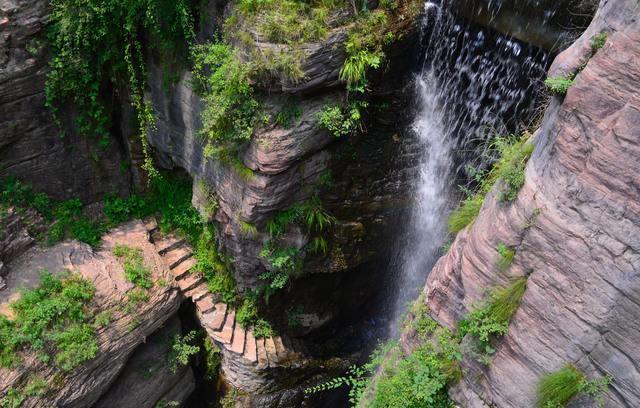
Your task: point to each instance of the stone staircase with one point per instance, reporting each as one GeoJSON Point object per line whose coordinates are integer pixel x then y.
{"type": "Point", "coordinates": [218, 318]}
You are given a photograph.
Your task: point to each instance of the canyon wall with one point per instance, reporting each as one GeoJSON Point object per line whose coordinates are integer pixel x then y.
{"type": "Point", "coordinates": [574, 225]}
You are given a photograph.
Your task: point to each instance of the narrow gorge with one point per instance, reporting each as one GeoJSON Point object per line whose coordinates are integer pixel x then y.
{"type": "Point", "coordinates": [284, 203]}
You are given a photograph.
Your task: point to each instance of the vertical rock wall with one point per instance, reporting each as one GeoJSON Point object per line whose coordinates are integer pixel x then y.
{"type": "Point", "coordinates": [581, 252]}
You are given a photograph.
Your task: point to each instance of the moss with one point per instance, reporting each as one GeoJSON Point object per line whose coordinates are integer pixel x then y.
{"type": "Point", "coordinates": [559, 85]}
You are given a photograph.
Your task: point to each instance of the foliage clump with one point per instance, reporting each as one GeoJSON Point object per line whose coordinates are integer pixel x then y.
{"type": "Point", "coordinates": [133, 263]}
{"type": "Point", "coordinates": [598, 41]}
{"type": "Point", "coordinates": [505, 256]}
{"type": "Point", "coordinates": [557, 389]}
{"type": "Point", "coordinates": [181, 349]}
{"type": "Point", "coordinates": [491, 318]}
{"type": "Point", "coordinates": [340, 122]}
{"type": "Point", "coordinates": [222, 80]}
{"type": "Point", "coordinates": [98, 42]}
{"type": "Point", "coordinates": [513, 154]}
{"type": "Point", "coordinates": [52, 320]}
{"type": "Point", "coordinates": [559, 85]}
{"type": "Point", "coordinates": [247, 317]}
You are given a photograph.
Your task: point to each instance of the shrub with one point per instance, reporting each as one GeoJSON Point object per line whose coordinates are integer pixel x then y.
{"type": "Point", "coordinates": [285, 263]}
{"type": "Point", "coordinates": [491, 318]}
{"type": "Point", "coordinates": [247, 316]}
{"type": "Point", "coordinates": [181, 350]}
{"type": "Point", "coordinates": [505, 258]}
{"type": "Point", "coordinates": [598, 41]}
{"type": "Point", "coordinates": [288, 114]}
{"type": "Point", "coordinates": [513, 154]}
{"type": "Point", "coordinates": [118, 210]}
{"type": "Point", "coordinates": [230, 110]}
{"type": "Point", "coordinates": [338, 122]}
{"type": "Point", "coordinates": [310, 214]}
{"type": "Point", "coordinates": [133, 263]}
{"type": "Point", "coordinates": [559, 85]}
{"type": "Point", "coordinates": [214, 267]}
{"type": "Point", "coordinates": [51, 320]}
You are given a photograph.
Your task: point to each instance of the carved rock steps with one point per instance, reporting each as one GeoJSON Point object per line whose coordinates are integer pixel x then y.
{"type": "Point", "coordinates": [217, 318]}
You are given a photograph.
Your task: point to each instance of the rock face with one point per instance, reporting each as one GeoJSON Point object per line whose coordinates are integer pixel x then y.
{"type": "Point", "coordinates": [84, 385]}
{"type": "Point", "coordinates": [575, 226]}
{"type": "Point", "coordinates": [31, 146]}
{"type": "Point", "coordinates": [147, 379]}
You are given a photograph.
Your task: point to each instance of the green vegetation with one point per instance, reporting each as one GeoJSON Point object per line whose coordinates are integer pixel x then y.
{"type": "Point", "coordinates": [285, 264]}
{"type": "Point", "coordinates": [419, 379]}
{"type": "Point", "coordinates": [341, 122]}
{"type": "Point", "coordinates": [181, 350]}
{"type": "Point", "coordinates": [222, 80]}
{"type": "Point", "coordinates": [491, 318]}
{"type": "Point", "coordinates": [95, 42]}
{"type": "Point", "coordinates": [505, 258]}
{"type": "Point", "coordinates": [289, 114]}
{"type": "Point", "coordinates": [309, 213]}
{"type": "Point", "coordinates": [559, 85]}
{"type": "Point", "coordinates": [52, 320]}
{"type": "Point", "coordinates": [215, 268]}
{"type": "Point", "coordinates": [513, 154]}
{"type": "Point", "coordinates": [133, 263]}
{"type": "Point", "coordinates": [598, 41]}
{"type": "Point", "coordinates": [293, 316]}
{"type": "Point", "coordinates": [466, 213]}
{"type": "Point", "coordinates": [14, 398]}
{"type": "Point", "coordinates": [247, 316]}
{"type": "Point", "coordinates": [556, 389]}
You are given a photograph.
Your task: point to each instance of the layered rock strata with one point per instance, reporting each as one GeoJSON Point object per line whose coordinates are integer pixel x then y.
{"type": "Point", "coordinates": [574, 225]}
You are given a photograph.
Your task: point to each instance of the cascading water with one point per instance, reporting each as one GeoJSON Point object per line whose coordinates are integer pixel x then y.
{"type": "Point", "coordinates": [473, 84]}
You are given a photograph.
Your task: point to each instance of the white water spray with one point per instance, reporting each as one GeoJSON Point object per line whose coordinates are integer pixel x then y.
{"type": "Point", "coordinates": [469, 89]}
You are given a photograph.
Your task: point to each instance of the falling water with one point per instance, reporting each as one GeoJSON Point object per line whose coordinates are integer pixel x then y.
{"type": "Point", "coordinates": [472, 85]}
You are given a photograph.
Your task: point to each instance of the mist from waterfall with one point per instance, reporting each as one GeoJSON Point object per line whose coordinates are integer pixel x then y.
{"type": "Point", "coordinates": [472, 85]}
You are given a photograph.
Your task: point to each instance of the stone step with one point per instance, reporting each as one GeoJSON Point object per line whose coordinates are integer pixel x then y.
{"type": "Point", "coordinates": [263, 361]}
{"type": "Point", "coordinates": [176, 256]}
{"type": "Point", "coordinates": [205, 304]}
{"type": "Point", "coordinates": [181, 270]}
{"type": "Point", "coordinates": [272, 355]}
{"type": "Point", "coordinates": [189, 282]}
{"type": "Point", "coordinates": [198, 292]}
{"type": "Point", "coordinates": [239, 336]}
{"type": "Point", "coordinates": [214, 319]}
{"type": "Point", "coordinates": [281, 350]}
{"type": "Point", "coordinates": [165, 243]}
{"type": "Point", "coordinates": [225, 335]}
{"type": "Point", "coordinates": [250, 350]}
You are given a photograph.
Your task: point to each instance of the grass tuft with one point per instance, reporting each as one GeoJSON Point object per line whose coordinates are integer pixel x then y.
{"type": "Point", "coordinates": [558, 388]}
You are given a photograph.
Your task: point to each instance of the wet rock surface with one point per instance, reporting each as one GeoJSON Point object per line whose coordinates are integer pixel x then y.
{"type": "Point", "coordinates": [581, 251]}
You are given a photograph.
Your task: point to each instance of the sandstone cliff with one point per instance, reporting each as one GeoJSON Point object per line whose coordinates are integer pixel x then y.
{"type": "Point", "coordinates": [581, 251]}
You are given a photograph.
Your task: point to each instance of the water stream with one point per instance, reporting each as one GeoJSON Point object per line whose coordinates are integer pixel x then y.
{"type": "Point", "coordinates": [472, 84]}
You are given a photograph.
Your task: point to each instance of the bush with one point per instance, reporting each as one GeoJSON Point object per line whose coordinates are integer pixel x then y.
{"type": "Point", "coordinates": [52, 320]}
{"type": "Point", "coordinates": [310, 214]}
{"type": "Point", "coordinates": [513, 154]}
{"type": "Point", "coordinates": [598, 41]}
{"type": "Point", "coordinates": [559, 85]}
{"type": "Point", "coordinates": [222, 80]}
{"type": "Point", "coordinates": [285, 263]}
{"type": "Point", "coordinates": [247, 316]}
{"type": "Point", "coordinates": [491, 319]}
{"type": "Point", "coordinates": [338, 122]}
{"type": "Point", "coordinates": [181, 350]}
{"type": "Point", "coordinates": [214, 267]}
{"type": "Point", "coordinates": [133, 263]}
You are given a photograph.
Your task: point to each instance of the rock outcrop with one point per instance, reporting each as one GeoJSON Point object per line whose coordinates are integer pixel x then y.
{"type": "Point", "coordinates": [126, 330]}
{"type": "Point", "coordinates": [575, 227]}
{"type": "Point", "coordinates": [32, 147]}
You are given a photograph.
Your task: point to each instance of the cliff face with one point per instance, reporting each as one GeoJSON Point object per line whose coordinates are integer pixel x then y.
{"type": "Point", "coordinates": [32, 147]}
{"type": "Point", "coordinates": [575, 227]}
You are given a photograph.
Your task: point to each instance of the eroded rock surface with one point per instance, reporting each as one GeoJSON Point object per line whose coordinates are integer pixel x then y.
{"type": "Point", "coordinates": [83, 386]}
{"type": "Point", "coordinates": [582, 250]}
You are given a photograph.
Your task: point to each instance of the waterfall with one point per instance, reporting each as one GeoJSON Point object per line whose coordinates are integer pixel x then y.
{"type": "Point", "coordinates": [472, 85]}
